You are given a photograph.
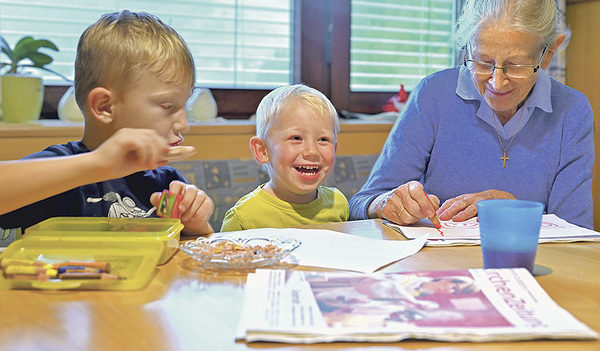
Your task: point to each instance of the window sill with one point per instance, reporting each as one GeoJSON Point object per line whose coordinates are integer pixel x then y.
{"type": "Point", "coordinates": [213, 140]}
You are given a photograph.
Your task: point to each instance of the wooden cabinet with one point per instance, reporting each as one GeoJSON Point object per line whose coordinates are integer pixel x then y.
{"type": "Point", "coordinates": [583, 71]}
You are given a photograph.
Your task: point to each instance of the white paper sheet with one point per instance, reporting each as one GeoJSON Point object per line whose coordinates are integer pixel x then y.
{"type": "Point", "coordinates": [553, 229]}
{"type": "Point", "coordinates": [330, 249]}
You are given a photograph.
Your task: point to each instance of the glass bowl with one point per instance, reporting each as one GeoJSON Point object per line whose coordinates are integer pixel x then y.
{"type": "Point", "coordinates": [239, 253]}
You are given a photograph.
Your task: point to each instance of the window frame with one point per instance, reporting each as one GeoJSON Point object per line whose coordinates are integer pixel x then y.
{"type": "Point", "coordinates": [341, 96]}
{"type": "Point", "coordinates": [321, 58]}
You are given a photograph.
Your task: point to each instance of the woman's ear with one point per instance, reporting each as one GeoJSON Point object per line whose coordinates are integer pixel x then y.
{"type": "Point", "coordinates": [550, 51]}
{"type": "Point", "coordinates": [100, 104]}
{"type": "Point", "coordinates": [259, 150]}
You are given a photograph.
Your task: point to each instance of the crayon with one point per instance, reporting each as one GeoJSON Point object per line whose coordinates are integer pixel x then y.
{"type": "Point", "coordinates": [104, 266]}
{"type": "Point", "coordinates": [42, 277]}
{"type": "Point", "coordinates": [7, 261]}
{"type": "Point", "coordinates": [78, 269]}
{"type": "Point", "coordinates": [103, 276]}
{"type": "Point", "coordinates": [435, 220]}
{"type": "Point", "coordinates": [10, 271]}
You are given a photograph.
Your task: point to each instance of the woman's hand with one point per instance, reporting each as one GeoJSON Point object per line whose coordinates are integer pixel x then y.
{"type": "Point", "coordinates": [463, 207]}
{"type": "Point", "coordinates": [406, 204]}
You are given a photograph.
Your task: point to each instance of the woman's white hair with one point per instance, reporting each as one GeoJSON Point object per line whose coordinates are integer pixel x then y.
{"type": "Point", "coordinates": [536, 17]}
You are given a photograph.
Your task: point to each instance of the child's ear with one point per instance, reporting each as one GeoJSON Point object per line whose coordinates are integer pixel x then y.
{"type": "Point", "coordinates": [259, 150]}
{"type": "Point", "coordinates": [100, 104]}
{"type": "Point", "coordinates": [335, 147]}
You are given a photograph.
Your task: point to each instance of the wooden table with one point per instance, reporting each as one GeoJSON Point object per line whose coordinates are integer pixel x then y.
{"type": "Point", "coordinates": [185, 309]}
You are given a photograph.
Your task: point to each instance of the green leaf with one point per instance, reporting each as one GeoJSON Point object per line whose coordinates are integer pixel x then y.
{"type": "Point", "coordinates": [4, 44]}
{"type": "Point", "coordinates": [39, 59]}
{"type": "Point", "coordinates": [23, 41]}
{"type": "Point", "coordinates": [28, 48]}
{"type": "Point", "coordinates": [35, 45]}
{"type": "Point", "coordinates": [6, 48]}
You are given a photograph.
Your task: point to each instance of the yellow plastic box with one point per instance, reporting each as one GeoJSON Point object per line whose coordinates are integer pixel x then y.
{"type": "Point", "coordinates": [166, 231]}
{"type": "Point", "coordinates": [133, 262]}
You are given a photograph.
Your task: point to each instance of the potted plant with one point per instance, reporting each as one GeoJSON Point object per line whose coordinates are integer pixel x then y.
{"type": "Point", "coordinates": [23, 94]}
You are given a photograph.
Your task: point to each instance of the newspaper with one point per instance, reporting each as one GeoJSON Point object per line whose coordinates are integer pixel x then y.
{"type": "Point", "coordinates": [468, 305]}
{"type": "Point", "coordinates": [553, 230]}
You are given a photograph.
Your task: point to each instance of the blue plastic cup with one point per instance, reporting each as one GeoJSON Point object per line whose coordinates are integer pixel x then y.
{"type": "Point", "coordinates": [510, 230]}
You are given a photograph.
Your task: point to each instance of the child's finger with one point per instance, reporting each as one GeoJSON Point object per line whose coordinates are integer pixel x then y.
{"type": "Point", "coordinates": [178, 188]}
{"type": "Point", "coordinates": [155, 198]}
{"type": "Point", "coordinates": [193, 202]}
{"type": "Point", "coordinates": [206, 209]}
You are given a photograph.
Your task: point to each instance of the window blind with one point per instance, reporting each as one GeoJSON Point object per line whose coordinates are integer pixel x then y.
{"type": "Point", "coordinates": [235, 43]}
{"type": "Point", "coordinates": [394, 42]}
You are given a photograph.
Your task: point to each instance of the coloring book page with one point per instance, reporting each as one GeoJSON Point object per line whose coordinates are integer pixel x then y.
{"type": "Point", "coordinates": [553, 229]}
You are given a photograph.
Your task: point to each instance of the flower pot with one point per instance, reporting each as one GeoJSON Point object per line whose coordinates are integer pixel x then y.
{"type": "Point", "coordinates": [22, 98]}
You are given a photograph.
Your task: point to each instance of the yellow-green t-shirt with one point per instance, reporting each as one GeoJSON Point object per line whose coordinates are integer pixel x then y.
{"type": "Point", "coordinates": [260, 209]}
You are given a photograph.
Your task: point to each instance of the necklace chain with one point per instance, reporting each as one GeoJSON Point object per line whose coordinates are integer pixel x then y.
{"type": "Point", "coordinates": [504, 149]}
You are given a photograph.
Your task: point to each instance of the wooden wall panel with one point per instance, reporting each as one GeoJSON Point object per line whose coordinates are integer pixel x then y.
{"type": "Point", "coordinates": [583, 72]}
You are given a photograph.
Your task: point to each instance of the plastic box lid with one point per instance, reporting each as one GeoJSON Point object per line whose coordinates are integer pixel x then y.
{"type": "Point", "coordinates": [167, 231]}
{"type": "Point", "coordinates": [135, 262]}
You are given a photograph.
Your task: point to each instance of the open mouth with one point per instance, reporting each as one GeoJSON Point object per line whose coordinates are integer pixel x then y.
{"type": "Point", "coordinates": [308, 170]}
{"type": "Point", "coordinates": [178, 142]}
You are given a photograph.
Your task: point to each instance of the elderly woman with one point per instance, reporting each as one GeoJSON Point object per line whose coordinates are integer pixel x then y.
{"type": "Point", "coordinates": [497, 127]}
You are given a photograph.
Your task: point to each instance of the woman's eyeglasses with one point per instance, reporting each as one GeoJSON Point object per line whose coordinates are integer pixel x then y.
{"type": "Point", "coordinates": [512, 71]}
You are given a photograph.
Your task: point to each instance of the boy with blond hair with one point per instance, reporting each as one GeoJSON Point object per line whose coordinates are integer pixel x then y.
{"type": "Point", "coordinates": [296, 139]}
{"type": "Point", "coordinates": [133, 76]}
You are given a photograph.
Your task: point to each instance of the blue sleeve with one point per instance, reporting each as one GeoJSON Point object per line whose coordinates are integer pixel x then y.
{"type": "Point", "coordinates": [411, 137]}
{"type": "Point", "coordinates": [571, 196]}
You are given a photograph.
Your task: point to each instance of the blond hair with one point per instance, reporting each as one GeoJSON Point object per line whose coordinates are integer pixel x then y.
{"type": "Point", "coordinates": [122, 46]}
{"type": "Point", "coordinates": [268, 112]}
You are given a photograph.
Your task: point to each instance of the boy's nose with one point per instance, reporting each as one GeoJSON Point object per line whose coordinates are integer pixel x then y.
{"type": "Point", "coordinates": [311, 150]}
{"type": "Point", "coordinates": [181, 124]}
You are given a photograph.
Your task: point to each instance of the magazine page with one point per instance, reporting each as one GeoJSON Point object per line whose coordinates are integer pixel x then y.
{"type": "Point", "coordinates": [553, 229]}
{"type": "Point", "coordinates": [467, 305]}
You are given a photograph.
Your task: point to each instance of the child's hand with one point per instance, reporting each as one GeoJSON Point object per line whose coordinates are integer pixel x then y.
{"type": "Point", "coordinates": [195, 208]}
{"type": "Point", "coordinates": [131, 150]}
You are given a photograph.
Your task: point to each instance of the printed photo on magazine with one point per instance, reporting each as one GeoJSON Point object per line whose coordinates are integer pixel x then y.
{"type": "Point", "coordinates": [467, 305]}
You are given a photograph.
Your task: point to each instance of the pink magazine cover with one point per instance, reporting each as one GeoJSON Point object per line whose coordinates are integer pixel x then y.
{"type": "Point", "coordinates": [458, 305]}
{"type": "Point", "coordinates": [424, 299]}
